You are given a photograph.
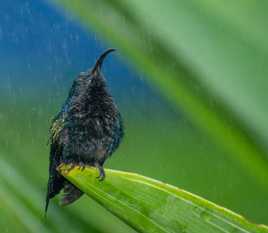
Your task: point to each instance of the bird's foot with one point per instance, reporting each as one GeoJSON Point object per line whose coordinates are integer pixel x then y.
{"type": "Point", "coordinates": [81, 166]}
{"type": "Point", "coordinates": [101, 175]}
{"type": "Point", "coordinates": [66, 168]}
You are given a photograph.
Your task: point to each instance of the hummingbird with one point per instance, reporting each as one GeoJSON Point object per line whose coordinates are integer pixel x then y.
{"type": "Point", "coordinates": [85, 132]}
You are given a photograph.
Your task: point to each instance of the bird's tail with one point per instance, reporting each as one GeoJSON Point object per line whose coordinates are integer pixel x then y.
{"type": "Point", "coordinates": [47, 204]}
{"type": "Point", "coordinates": [100, 60]}
{"type": "Point", "coordinates": [70, 194]}
{"type": "Point", "coordinates": [55, 184]}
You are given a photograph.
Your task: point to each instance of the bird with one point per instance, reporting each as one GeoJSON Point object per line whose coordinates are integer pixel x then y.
{"type": "Point", "coordinates": [85, 132]}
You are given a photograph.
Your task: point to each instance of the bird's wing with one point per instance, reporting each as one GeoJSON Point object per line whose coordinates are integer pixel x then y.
{"type": "Point", "coordinates": [57, 125]}
{"type": "Point", "coordinates": [55, 181]}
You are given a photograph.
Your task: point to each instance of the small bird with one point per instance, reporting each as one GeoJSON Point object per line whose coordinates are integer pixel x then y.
{"type": "Point", "coordinates": [86, 131]}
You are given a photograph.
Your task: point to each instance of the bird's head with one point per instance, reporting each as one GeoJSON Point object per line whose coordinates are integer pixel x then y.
{"type": "Point", "coordinates": [89, 85]}
{"type": "Point", "coordinates": [94, 77]}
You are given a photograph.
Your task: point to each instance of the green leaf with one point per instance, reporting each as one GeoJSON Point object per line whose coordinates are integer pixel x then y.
{"type": "Point", "coordinates": [152, 206]}
{"type": "Point", "coordinates": [204, 58]}
{"type": "Point", "coordinates": [22, 201]}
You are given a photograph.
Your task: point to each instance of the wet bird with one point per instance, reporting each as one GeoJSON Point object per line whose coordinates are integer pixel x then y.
{"type": "Point", "coordinates": [86, 131]}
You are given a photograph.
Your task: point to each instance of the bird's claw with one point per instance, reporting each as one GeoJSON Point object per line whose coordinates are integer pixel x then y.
{"type": "Point", "coordinates": [81, 166]}
{"type": "Point", "coordinates": [66, 168]}
{"type": "Point", "coordinates": [101, 175]}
